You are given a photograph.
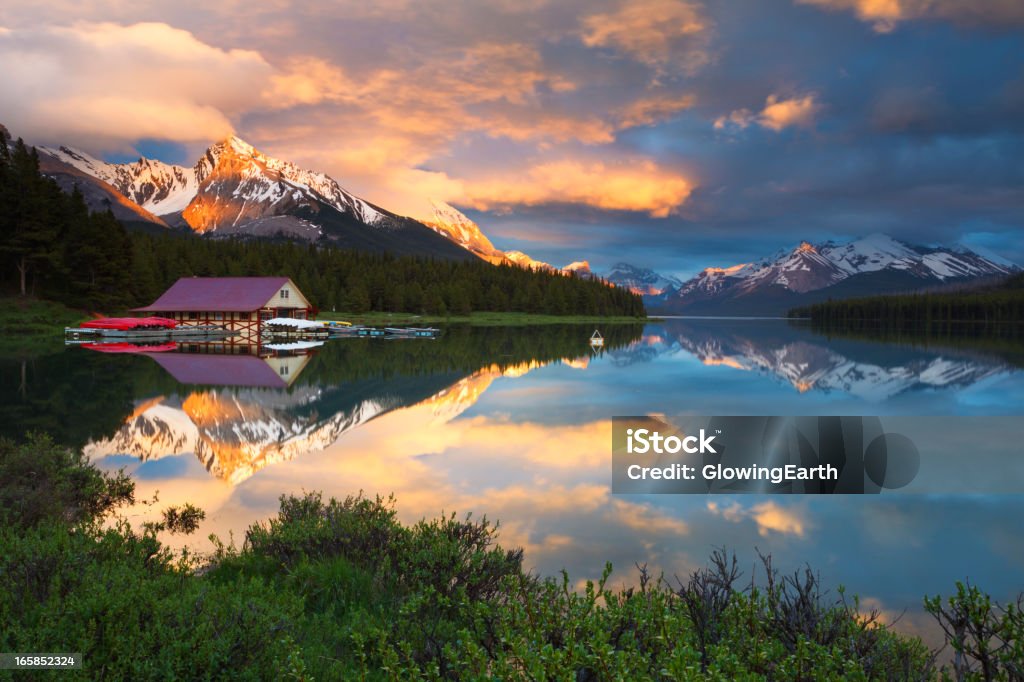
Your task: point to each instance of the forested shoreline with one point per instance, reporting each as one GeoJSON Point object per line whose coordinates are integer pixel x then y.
{"type": "Point", "coordinates": [52, 247]}
{"type": "Point", "coordinates": [939, 312]}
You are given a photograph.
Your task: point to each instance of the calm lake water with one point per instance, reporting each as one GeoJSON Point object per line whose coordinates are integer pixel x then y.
{"type": "Point", "coordinates": [515, 423]}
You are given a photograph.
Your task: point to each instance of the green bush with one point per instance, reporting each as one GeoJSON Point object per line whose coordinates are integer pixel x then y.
{"type": "Point", "coordinates": [342, 590]}
{"type": "Point", "coordinates": [41, 481]}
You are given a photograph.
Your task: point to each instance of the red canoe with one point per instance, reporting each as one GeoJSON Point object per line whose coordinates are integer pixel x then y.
{"type": "Point", "coordinates": [130, 347]}
{"type": "Point", "coordinates": [126, 323]}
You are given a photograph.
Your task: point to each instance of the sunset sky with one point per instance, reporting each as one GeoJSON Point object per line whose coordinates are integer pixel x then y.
{"type": "Point", "coordinates": [675, 134]}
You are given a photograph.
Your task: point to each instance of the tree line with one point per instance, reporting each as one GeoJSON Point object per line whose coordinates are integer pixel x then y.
{"type": "Point", "coordinates": [999, 304]}
{"type": "Point", "coordinates": [52, 247]}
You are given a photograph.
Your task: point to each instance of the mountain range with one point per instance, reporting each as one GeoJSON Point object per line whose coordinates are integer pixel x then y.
{"type": "Point", "coordinates": [235, 190]}
{"type": "Point", "coordinates": [809, 273]}
{"type": "Point", "coordinates": [643, 281]}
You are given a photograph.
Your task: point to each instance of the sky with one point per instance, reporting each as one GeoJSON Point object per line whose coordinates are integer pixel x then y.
{"type": "Point", "coordinates": [673, 134]}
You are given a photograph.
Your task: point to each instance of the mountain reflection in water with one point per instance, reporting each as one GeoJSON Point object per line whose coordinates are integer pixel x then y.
{"type": "Point", "coordinates": [515, 423]}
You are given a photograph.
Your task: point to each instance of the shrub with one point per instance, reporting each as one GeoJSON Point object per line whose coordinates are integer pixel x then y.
{"type": "Point", "coordinates": [342, 590]}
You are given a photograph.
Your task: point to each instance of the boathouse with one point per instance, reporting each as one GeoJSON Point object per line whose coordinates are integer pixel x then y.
{"type": "Point", "coordinates": [237, 303]}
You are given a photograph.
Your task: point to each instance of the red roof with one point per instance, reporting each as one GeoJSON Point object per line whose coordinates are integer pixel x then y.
{"type": "Point", "coordinates": [220, 370]}
{"type": "Point", "coordinates": [217, 294]}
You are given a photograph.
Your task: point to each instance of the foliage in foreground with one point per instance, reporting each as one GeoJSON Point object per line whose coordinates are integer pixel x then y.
{"type": "Point", "coordinates": [341, 590]}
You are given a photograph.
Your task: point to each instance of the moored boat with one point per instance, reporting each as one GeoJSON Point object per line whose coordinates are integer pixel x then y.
{"type": "Point", "coordinates": [291, 328]}
{"type": "Point", "coordinates": [147, 328]}
{"type": "Point", "coordinates": [413, 332]}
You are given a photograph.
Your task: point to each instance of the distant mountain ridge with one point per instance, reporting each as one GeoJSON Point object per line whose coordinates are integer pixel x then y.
{"type": "Point", "coordinates": [236, 190]}
{"type": "Point", "coordinates": [807, 273]}
{"type": "Point", "coordinates": [643, 281]}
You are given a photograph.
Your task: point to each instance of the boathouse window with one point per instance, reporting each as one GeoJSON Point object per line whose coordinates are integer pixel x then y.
{"type": "Point", "coordinates": [284, 293]}
{"type": "Point", "coordinates": [193, 316]}
{"type": "Point", "coordinates": [218, 316]}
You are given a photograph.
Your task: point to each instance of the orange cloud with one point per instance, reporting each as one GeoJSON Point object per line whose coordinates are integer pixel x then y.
{"type": "Point", "coordinates": [783, 113]}
{"type": "Point", "coordinates": [649, 110]}
{"type": "Point", "coordinates": [770, 517]}
{"type": "Point", "coordinates": [884, 15]}
{"type": "Point", "coordinates": [389, 123]}
{"type": "Point", "coordinates": [106, 82]}
{"type": "Point", "coordinates": [638, 185]}
{"type": "Point", "coordinates": [778, 113]}
{"type": "Point", "coordinates": [654, 32]}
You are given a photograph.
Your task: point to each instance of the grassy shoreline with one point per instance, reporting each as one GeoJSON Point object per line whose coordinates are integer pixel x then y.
{"type": "Point", "coordinates": [36, 317]}
{"type": "Point", "coordinates": [479, 319]}
{"type": "Point", "coordinates": [29, 326]}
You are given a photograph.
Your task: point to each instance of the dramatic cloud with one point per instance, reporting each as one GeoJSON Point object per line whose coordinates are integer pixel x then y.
{"type": "Point", "coordinates": [660, 33]}
{"type": "Point", "coordinates": [884, 15]}
{"type": "Point", "coordinates": [583, 129]}
{"type": "Point", "coordinates": [777, 114]}
{"type": "Point", "coordinates": [105, 83]}
{"type": "Point", "coordinates": [628, 186]}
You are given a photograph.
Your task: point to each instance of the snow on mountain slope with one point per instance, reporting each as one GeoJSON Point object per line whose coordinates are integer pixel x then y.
{"type": "Point", "coordinates": [449, 222]}
{"type": "Point", "coordinates": [238, 184]}
{"type": "Point", "coordinates": [869, 254]}
{"type": "Point", "coordinates": [524, 261]}
{"type": "Point", "coordinates": [158, 187]}
{"type": "Point", "coordinates": [643, 281]}
{"type": "Point", "coordinates": [98, 194]}
{"type": "Point", "coordinates": [259, 181]}
{"type": "Point", "coordinates": [255, 164]}
{"type": "Point", "coordinates": [804, 268]}
{"type": "Point", "coordinates": [810, 268]}
{"type": "Point", "coordinates": [235, 189]}
{"type": "Point", "coordinates": [580, 267]}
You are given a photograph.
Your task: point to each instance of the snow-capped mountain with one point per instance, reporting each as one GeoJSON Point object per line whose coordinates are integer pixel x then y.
{"type": "Point", "coordinates": [524, 261]}
{"type": "Point", "coordinates": [643, 281]}
{"type": "Point", "coordinates": [236, 190]}
{"type": "Point", "coordinates": [449, 222]}
{"type": "Point", "coordinates": [98, 194]}
{"type": "Point", "coordinates": [807, 273]}
{"type": "Point", "coordinates": [236, 182]}
{"type": "Point", "coordinates": [254, 178]}
{"type": "Point", "coordinates": [160, 188]}
{"type": "Point", "coordinates": [580, 267]}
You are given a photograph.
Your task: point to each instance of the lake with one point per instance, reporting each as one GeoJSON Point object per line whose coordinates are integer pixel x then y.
{"type": "Point", "coordinates": [515, 423]}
